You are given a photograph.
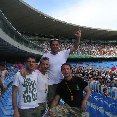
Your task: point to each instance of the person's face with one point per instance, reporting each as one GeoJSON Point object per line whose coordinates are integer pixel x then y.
{"type": "Point", "coordinates": [30, 64]}
{"type": "Point", "coordinates": [44, 65]}
{"type": "Point", "coordinates": [66, 71]}
{"type": "Point", "coordinates": [55, 46]}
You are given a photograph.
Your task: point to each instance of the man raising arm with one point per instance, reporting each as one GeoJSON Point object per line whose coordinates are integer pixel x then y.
{"type": "Point", "coordinates": [56, 59]}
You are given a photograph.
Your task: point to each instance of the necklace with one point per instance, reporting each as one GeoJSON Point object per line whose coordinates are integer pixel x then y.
{"type": "Point", "coordinates": [72, 97]}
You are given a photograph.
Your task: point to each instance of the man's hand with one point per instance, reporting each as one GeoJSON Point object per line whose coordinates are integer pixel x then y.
{"type": "Point", "coordinates": [78, 34]}
{"type": "Point", "coordinates": [16, 113]}
{"type": "Point", "coordinates": [77, 42]}
{"type": "Point", "coordinates": [49, 113]}
{"type": "Point", "coordinates": [84, 105]}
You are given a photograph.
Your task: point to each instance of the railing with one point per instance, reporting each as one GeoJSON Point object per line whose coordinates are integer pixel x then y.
{"type": "Point", "coordinates": [7, 27]}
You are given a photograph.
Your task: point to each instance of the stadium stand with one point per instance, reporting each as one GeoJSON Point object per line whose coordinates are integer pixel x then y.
{"type": "Point", "coordinates": [101, 77]}
{"type": "Point", "coordinates": [98, 104]}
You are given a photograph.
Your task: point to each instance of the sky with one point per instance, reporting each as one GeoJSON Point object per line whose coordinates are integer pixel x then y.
{"type": "Point", "coordinates": [91, 13]}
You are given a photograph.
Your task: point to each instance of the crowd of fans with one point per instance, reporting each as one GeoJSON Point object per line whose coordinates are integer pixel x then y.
{"type": "Point", "coordinates": [85, 48]}
{"type": "Point", "coordinates": [98, 49]}
{"type": "Point", "coordinates": [100, 80]}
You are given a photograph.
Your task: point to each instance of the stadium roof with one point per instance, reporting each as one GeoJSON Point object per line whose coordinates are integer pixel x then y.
{"type": "Point", "coordinates": [27, 19]}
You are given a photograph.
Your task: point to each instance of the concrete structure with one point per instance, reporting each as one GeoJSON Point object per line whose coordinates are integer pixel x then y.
{"type": "Point", "coordinates": [27, 19]}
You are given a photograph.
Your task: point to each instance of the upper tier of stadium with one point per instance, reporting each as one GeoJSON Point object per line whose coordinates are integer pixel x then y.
{"type": "Point", "coordinates": [27, 19]}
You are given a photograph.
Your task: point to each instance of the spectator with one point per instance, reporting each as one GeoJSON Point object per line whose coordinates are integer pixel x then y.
{"type": "Point", "coordinates": [105, 92]}
{"type": "Point", "coordinates": [70, 90]}
{"type": "Point", "coordinates": [56, 59]}
{"type": "Point", "coordinates": [26, 86]}
{"type": "Point", "coordinates": [2, 88]}
{"type": "Point", "coordinates": [42, 84]}
{"type": "Point", "coordinates": [20, 65]}
{"type": "Point", "coordinates": [4, 73]}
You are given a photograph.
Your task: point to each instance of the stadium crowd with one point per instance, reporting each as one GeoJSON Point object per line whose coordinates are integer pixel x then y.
{"type": "Point", "coordinates": [85, 48]}
{"type": "Point", "coordinates": [101, 80]}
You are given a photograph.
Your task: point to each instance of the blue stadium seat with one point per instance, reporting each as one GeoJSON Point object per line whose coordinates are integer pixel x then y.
{"type": "Point", "coordinates": [100, 114]}
{"type": "Point", "coordinates": [113, 110]}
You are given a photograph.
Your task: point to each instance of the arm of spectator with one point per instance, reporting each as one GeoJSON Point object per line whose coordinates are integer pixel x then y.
{"type": "Point", "coordinates": [14, 101]}
{"type": "Point", "coordinates": [55, 101]}
{"type": "Point", "coordinates": [53, 104]}
{"type": "Point", "coordinates": [87, 90]}
{"type": "Point", "coordinates": [77, 41]}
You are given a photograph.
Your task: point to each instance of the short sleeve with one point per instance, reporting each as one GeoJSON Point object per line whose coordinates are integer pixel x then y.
{"type": "Point", "coordinates": [66, 52]}
{"type": "Point", "coordinates": [59, 90]}
{"type": "Point", "coordinates": [16, 80]}
{"type": "Point", "coordinates": [83, 83]}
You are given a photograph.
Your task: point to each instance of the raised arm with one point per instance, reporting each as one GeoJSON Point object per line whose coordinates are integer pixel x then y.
{"type": "Point", "coordinates": [77, 41]}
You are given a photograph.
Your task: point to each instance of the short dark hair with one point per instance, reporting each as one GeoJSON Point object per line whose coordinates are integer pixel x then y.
{"type": "Point", "coordinates": [66, 64]}
{"type": "Point", "coordinates": [44, 58]}
{"type": "Point", "coordinates": [55, 40]}
{"type": "Point", "coordinates": [30, 56]}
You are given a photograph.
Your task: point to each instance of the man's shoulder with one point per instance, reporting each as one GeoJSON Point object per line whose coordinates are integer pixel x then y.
{"type": "Point", "coordinates": [64, 51]}
{"type": "Point", "coordinates": [46, 54]}
{"type": "Point", "coordinates": [76, 78]}
{"type": "Point", "coordinates": [35, 73]}
{"type": "Point", "coordinates": [62, 83]}
{"type": "Point", "coordinates": [17, 76]}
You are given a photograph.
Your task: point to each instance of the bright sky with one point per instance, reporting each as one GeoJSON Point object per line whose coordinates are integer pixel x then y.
{"type": "Point", "coordinates": [91, 13]}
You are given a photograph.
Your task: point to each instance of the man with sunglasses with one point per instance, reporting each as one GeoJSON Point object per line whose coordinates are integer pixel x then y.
{"type": "Point", "coordinates": [56, 59]}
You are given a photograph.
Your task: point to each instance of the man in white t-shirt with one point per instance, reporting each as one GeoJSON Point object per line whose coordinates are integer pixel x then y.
{"type": "Point", "coordinates": [42, 84]}
{"type": "Point", "coordinates": [56, 59]}
{"type": "Point", "coordinates": [26, 88]}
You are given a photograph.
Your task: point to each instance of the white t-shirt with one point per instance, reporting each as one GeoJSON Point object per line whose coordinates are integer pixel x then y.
{"type": "Point", "coordinates": [55, 61]}
{"type": "Point", "coordinates": [27, 90]}
{"type": "Point", "coordinates": [42, 87]}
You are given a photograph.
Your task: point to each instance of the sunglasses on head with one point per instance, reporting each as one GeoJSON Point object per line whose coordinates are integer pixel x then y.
{"type": "Point", "coordinates": [54, 39]}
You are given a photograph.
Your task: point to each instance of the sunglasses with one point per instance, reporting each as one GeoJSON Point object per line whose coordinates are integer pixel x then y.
{"type": "Point", "coordinates": [54, 40]}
